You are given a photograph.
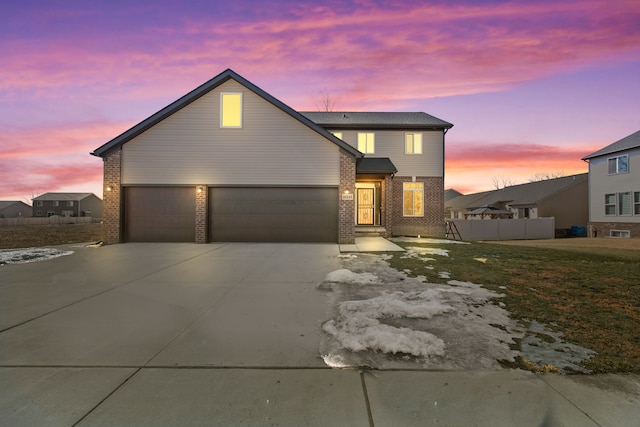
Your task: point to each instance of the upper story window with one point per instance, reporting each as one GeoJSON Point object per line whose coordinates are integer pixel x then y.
{"type": "Point", "coordinates": [413, 143]}
{"type": "Point", "coordinates": [366, 142]}
{"type": "Point", "coordinates": [38, 202]}
{"type": "Point", "coordinates": [337, 134]}
{"type": "Point", "coordinates": [70, 203]}
{"type": "Point", "coordinates": [231, 110]}
{"type": "Point", "coordinates": [619, 164]}
{"type": "Point", "coordinates": [56, 203]}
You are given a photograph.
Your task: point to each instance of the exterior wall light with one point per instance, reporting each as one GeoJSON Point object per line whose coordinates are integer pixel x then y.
{"type": "Point", "coordinates": [108, 188]}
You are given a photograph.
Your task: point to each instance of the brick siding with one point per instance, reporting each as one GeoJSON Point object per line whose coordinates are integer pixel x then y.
{"type": "Point", "coordinates": [346, 221]}
{"type": "Point", "coordinates": [202, 193]}
{"type": "Point", "coordinates": [603, 229]}
{"type": "Point", "coordinates": [111, 204]}
{"type": "Point", "coordinates": [432, 223]}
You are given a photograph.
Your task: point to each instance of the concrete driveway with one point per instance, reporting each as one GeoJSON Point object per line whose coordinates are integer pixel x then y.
{"type": "Point", "coordinates": [228, 334]}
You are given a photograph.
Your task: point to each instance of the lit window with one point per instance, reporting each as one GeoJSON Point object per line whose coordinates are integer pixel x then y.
{"type": "Point", "coordinates": [624, 203]}
{"type": "Point", "coordinates": [619, 164]}
{"type": "Point", "coordinates": [337, 134]}
{"type": "Point", "coordinates": [609, 204]}
{"type": "Point", "coordinates": [413, 198]}
{"type": "Point", "coordinates": [366, 143]}
{"type": "Point", "coordinates": [231, 110]}
{"type": "Point", "coordinates": [413, 143]}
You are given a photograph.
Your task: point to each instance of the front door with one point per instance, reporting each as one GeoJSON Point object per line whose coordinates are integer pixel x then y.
{"type": "Point", "coordinates": [366, 206]}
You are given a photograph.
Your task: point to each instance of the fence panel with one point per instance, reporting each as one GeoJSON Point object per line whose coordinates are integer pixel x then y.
{"type": "Point", "coordinates": [48, 220]}
{"type": "Point", "coordinates": [506, 229]}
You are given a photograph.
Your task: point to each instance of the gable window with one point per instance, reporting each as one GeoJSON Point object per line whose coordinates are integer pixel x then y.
{"type": "Point", "coordinates": [231, 110]}
{"type": "Point", "coordinates": [413, 143]}
{"type": "Point", "coordinates": [609, 204]}
{"type": "Point", "coordinates": [337, 134]}
{"type": "Point", "coordinates": [624, 203]}
{"type": "Point", "coordinates": [619, 164]}
{"type": "Point", "coordinates": [366, 142]}
{"type": "Point", "coordinates": [636, 203]}
{"type": "Point", "coordinates": [413, 199]}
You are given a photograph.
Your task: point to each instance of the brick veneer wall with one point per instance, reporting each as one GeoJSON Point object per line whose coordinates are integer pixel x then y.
{"type": "Point", "coordinates": [603, 229]}
{"type": "Point", "coordinates": [346, 222]}
{"type": "Point", "coordinates": [201, 213]}
{"type": "Point", "coordinates": [432, 223]}
{"type": "Point", "coordinates": [111, 204]}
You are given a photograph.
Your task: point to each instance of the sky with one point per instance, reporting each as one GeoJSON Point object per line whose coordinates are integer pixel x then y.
{"type": "Point", "coordinates": [531, 87]}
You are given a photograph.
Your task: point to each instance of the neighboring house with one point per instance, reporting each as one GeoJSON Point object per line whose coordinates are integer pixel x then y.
{"type": "Point", "coordinates": [564, 198]}
{"type": "Point", "coordinates": [229, 162]}
{"type": "Point", "coordinates": [614, 189]}
{"type": "Point", "coordinates": [67, 205]}
{"type": "Point", "coordinates": [14, 209]}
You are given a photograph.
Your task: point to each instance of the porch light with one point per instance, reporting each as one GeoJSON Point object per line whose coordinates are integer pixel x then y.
{"type": "Point", "coordinates": [108, 188]}
{"type": "Point", "coordinates": [346, 191]}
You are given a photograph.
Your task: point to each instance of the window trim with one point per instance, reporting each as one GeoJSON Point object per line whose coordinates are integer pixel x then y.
{"type": "Point", "coordinates": [617, 166]}
{"type": "Point", "coordinates": [621, 205]}
{"type": "Point", "coordinates": [413, 152]}
{"type": "Point", "coordinates": [222, 110]}
{"type": "Point", "coordinates": [636, 202]}
{"type": "Point", "coordinates": [367, 142]}
{"type": "Point", "coordinates": [614, 204]}
{"type": "Point", "coordinates": [412, 191]}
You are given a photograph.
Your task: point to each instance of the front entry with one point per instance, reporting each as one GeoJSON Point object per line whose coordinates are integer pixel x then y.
{"type": "Point", "coordinates": [366, 206]}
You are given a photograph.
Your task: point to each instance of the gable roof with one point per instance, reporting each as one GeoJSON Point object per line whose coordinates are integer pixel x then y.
{"type": "Point", "coordinates": [203, 90]}
{"type": "Point", "coordinates": [7, 203]}
{"type": "Point", "coordinates": [64, 196]}
{"type": "Point", "coordinates": [373, 120]}
{"type": "Point", "coordinates": [626, 143]}
{"type": "Point", "coordinates": [522, 194]}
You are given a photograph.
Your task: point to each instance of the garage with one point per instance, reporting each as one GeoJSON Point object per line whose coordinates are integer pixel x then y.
{"type": "Point", "coordinates": [159, 214]}
{"type": "Point", "coordinates": [283, 214]}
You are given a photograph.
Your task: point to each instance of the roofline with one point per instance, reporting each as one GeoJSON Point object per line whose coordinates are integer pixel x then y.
{"type": "Point", "coordinates": [434, 126]}
{"type": "Point", "coordinates": [202, 90]}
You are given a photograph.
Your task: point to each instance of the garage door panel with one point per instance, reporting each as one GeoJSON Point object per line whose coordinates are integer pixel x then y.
{"type": "Point", "coordinates": [159, 214]}
{"type": "Point", "coordinates": [273, 214]}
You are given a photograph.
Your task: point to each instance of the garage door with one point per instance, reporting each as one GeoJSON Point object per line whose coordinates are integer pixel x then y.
{"type": "Point", "coordinates": [159, 214]}
{"type": "Point", "coordinates": [273, 215]}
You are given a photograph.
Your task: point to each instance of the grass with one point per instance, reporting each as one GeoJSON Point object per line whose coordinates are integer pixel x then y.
{"type": "Point", "coordinates": [30, 236]}
{"type": "Point", "coordinates": [592, 296]}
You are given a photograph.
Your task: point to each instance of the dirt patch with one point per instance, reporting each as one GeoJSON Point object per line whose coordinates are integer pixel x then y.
{"type": "Point", "coordinates": [34, 236]}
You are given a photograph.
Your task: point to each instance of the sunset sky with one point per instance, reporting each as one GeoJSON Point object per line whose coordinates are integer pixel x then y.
{"type": "Point", "coordinates": [530, 87]}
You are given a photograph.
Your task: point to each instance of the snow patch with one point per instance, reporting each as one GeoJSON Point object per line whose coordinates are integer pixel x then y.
{"type": "Point", "coordinates": [22, 256]}
{"type": "Point", "coordinates": [347, 276]}
{"type": "Point", "coordinates": [427, 240]}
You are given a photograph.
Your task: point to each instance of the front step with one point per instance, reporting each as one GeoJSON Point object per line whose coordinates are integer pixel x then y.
{"type": "Point", "coordinates": [370, 231]}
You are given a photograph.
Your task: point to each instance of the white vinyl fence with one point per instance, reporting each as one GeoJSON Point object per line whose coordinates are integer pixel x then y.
{"type": "Point", "coordinates": [48, 220]}
{"type": "Point", "coordinates": [506, 229]}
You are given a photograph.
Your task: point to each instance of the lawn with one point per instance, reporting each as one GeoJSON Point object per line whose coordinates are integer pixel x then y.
{"type": "Point", "coordinates": [589, 294]}
{"type": "Point", "coordinates": [29, 236]}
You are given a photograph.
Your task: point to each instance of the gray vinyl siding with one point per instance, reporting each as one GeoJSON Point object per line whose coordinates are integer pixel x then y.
{"type": "Point", "coordinates": [271, 148]}
{"type": "Point", "coordinates": [601, 183]}
{"type": "Point", "coordinates": [391, 144]}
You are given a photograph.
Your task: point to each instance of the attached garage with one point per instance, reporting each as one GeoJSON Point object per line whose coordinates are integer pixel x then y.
{"type": "Point", "coordinates": [159, 214]}
{"type": "Point", "coordinates": [283, 214]}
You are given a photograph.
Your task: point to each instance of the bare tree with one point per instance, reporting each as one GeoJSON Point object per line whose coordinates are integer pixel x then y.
{"type": "Point", "coordinates": [542, 176]}
{"type": "Point", "coordinates": [325, 101]}
{"type": "Point", "coordinates": [501, 182]}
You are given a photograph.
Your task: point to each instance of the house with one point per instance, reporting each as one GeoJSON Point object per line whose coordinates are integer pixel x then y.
{"type": "Point", "coordinates": [614, 189]}
{"type": "Point", "coordinates": [564, 198]}
{"type": "Point", "coordinates": [229, 162]}
{"type": "Point", "coordinates": [67, 204]}
{"type": "Point", "coordinates": [14, 209]}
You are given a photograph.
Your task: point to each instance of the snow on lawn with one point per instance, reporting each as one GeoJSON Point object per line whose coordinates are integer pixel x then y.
{"type": "Point", "coordinates": [396, 319]}
{"type": "Point", "coordinates": [427, 240]}
{"type": "Point", "coordinates": [21, 256]}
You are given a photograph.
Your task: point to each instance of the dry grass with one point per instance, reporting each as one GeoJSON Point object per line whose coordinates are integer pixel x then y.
{"type": "Point", "coordinates": [31, 236]}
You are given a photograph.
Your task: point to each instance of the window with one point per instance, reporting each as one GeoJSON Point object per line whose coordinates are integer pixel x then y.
{"type": "Point", "coordinates": [231, 110]}
{"type": "Point", "coordinates": [38, 213]}
{"type": "Point", "coordinates": [609, 204]}
{"type": "Point", "coordinates": [624, 203]}
{"type": "Point", "coordinates": [636, 203]}
{"type": "Point", "coordinates": [366, 143]}
{"type": "Point", "coordinates": [70, 203]}
{"type": "Point", "coordinates": [619, 164]}
{"type": "Point", "coordinates": [337, 134]}
{"type": "Point", "coordinates": [38, 202]}
{"type": "Point", "coordinates": [413, 199]}
{"type": "Point", "coordinates": [620, 233]}
{"type": "Point", "coordinates": [413, 143]}
{"type": "Point", "coordinates": [56, 203]}
{"type": "Point", "coordinates": [67, 213]}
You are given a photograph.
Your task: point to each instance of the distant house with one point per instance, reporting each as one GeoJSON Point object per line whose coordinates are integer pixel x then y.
{"type": "Point", "coordinates": [564, 198]}
{"type": "Point", "coordinates": [67, 205]}
{"type": "Point", "coordinates": [614, 189]}
{"type": "Point", "coordinates": [229, 162]}
{"type": "Point", "coordinates": [14, 209]}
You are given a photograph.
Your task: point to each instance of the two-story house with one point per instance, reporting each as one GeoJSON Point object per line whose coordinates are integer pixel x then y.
{"type": "Point", "coordinates": [67, 205]}
{"type": "Point", "coordinates": [229, 162]}
{"type": "Point", "coordinates": [614, 189]}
